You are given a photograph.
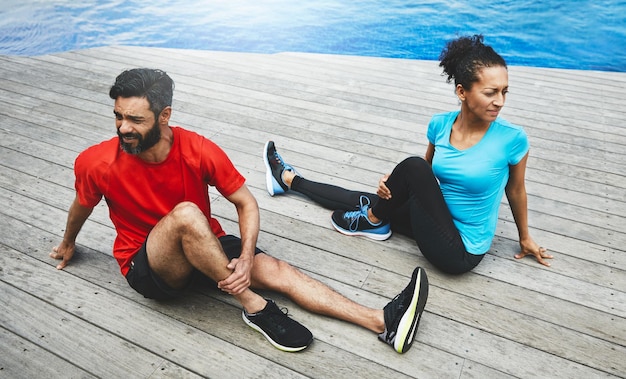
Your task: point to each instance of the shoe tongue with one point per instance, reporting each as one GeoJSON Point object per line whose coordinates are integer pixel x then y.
{"type": "Point", "coordinates": [272, 307]}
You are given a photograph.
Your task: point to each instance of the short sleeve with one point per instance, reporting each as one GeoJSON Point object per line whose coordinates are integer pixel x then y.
{"type": "Point", "coordinates": [87, 180]}
{"type": "Point", "coordinates": [430, 133]}
{"type": "Point", "coordinates": [519, 147]}
{"type": "Point", "coordinates": [220, 172]}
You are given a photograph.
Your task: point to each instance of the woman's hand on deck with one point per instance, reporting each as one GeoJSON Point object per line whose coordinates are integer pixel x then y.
{"type": "Point", "coordinates": [383, 191]}
{"type": "Point", "coordinates": [530, 247]}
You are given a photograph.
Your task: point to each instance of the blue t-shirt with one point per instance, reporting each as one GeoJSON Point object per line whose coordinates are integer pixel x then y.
{"type": "Point", "coordinates": [473, 180]}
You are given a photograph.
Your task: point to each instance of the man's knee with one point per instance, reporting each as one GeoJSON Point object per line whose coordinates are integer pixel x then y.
{"type": "Point", "coordinates": [186, 209]}
{"type": "Point", "coordinates": [274, 273]}
{"type": "Point", "coordinates": [271, 264]}
{"type": "Point", "coordinates": [186, 217]}
{"type": "Point", "coordinates": [185, 212]}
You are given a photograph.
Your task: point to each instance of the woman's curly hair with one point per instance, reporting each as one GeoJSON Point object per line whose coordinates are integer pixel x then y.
{"type": "Point", "coordinates": [464, 57]}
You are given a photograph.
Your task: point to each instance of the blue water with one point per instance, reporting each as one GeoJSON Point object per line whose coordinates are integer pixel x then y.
{"type": "Point", "coordinates": [578, 34]}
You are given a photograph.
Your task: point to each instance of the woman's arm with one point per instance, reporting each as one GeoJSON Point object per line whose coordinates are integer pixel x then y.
{"type": "Point", "coordinates": [518, 200]}
{"type": "Point", "coordinates": [383, 191]}
{"type": "Point", "coordinates": [430, 153]}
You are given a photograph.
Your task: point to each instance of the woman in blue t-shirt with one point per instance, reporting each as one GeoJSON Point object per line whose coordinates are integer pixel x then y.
{"type": "Point", "coordinates": [447, 201]}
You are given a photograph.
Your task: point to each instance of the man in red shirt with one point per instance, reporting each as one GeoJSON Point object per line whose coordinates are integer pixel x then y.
{"type": "Point", "coordinates": [155, 177]}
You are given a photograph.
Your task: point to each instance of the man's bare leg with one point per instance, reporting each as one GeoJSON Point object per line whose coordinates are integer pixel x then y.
{"type": "Point", "coordinates": [395, 324]}
{"type": "Point", "coordinates": [276, 275]}
{"type": "Point", "coordinates": [183, 241]}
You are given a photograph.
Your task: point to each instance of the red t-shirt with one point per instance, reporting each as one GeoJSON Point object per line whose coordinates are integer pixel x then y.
{"type": "Point", "coordinates": [139, 193]}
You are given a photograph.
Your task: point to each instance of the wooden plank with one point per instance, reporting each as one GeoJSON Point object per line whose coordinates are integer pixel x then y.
{"type": "Point", "coordinates": [505, 317]}
{"type": "Point", "coordinates": [205, 63]}
{"type": "Point", "coordinates": [429, 113]}
{"type": "Point", "coordinates": [108, 334]}
{"type": "Point", "coordinates": [618, 222]}
{"type": "Point", "coordinates": [68, 336]}
{"type": "Point", "coordinates": [217, 208]}
{"type": "Point", "coordinates": [607, 277]}
{"type": "Point", "coordinates": [192, 311]}
{"type": "Point", "coordinates": [20, 358]}
{"type": "Point", "coordinates": [336, 329]}
{"type": "Point", "coordinates": [325, 112]}
{"type": "Point", "coordinates": [401, 71]}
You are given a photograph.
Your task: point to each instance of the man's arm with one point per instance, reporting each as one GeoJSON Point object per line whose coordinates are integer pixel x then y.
{"type": "Point", "coordinates": [76, 218]}
{"type": "Point", "coordinates": [249, 219]}
{"type": "Point", "coordinates": [249, 224]}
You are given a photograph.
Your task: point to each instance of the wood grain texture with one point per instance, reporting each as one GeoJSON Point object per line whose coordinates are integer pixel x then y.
{"type": "Point", "coordinates": [345, 120]}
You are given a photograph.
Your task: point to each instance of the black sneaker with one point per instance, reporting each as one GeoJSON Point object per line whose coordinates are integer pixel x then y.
{"type": "Point", "coordinates": [274, 168]}
{"type": "Point", "coordinates": [283, 332]}
{"type": "Point", "coordinates": [403, 313]}
{"type": "Point", "coordinates": [356, 223]}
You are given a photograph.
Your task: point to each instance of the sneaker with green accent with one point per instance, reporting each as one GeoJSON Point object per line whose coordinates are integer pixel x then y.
{"type": "Point", "coordinates": [403, 313]}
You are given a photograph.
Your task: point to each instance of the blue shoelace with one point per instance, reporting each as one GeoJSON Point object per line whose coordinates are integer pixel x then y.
{"type": "Point", "coordinates": [354, 216]}
{"type": "Point", "coordinates": [279, 160]}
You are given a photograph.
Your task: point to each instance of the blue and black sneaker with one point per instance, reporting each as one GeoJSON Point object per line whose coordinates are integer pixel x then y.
{"type": "Point", "coordinates": [403, 313]}
{"type": "Point", "coordinates": [356, 223]}
{"type": "Point", "coordinates": [274, 168]}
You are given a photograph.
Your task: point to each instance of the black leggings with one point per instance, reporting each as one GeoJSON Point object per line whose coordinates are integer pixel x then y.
{"type": "Point", "coordinates": [417, 209]}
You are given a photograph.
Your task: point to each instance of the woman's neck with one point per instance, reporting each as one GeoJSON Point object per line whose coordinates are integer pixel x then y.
{"type": "Point", "coordinates": [467, 133]}
{"type": "Point", "coordinates": [471, 124]}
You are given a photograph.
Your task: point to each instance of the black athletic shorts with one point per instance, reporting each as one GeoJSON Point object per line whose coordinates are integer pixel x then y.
{"type": "Point", "coordinates": [143, 280]}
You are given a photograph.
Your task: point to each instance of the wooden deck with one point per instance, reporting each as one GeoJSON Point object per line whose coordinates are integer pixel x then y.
{"type": "Point", "coordinates": [336, 118]}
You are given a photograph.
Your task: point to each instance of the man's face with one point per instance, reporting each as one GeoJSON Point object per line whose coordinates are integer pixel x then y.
{"type": "Point", "coordinates": [136, 125]}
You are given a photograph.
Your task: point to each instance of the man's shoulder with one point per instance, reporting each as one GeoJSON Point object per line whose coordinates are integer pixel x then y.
{"type": "Point", "coordinates": [104, 152]}
{"type": "Point", "coordinates": [191, 140]}
{"type": "Point", "coordinates": [187, 134]}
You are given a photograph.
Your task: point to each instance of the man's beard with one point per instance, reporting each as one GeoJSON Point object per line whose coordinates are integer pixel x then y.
{"type": "Point", "coordinates": [143, 143]}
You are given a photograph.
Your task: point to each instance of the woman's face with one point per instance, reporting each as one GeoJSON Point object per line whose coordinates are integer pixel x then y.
{"type": "Point", "coordinates": [487, 96]}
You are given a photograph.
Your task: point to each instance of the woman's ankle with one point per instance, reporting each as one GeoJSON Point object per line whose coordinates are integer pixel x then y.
{"type": "Point", "coordinates": [287, 177]}
{"type": "Point", "coordinates": [372, 218]}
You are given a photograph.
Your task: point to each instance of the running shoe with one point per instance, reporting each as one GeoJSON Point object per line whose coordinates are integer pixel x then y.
{"type": "Point", "coordinates": [356, 223]}
{"type": "Point", "coordinates": [403, 313]}
{"type": "Point", "coordinates": [274, 168]}
{"type": "Point", "coordinates": [283, 332]}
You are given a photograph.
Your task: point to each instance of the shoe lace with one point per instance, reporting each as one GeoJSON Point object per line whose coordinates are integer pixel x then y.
{"type": "Point", "coordinates": [353, 217]}
{"type": "Point", "coordinates": [395, 307]}
{"type": "Point", "coordinates": [280, 318]}
{"type": "Point", "coordinates": [398, 302]}
{"type": "Point", "coordinates": [278, 159]}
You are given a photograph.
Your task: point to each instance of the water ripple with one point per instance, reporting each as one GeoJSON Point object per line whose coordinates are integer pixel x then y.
{"type": "Point", "coordinates": [581, 34]}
